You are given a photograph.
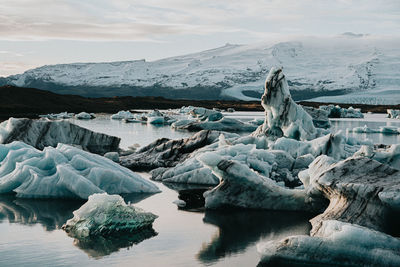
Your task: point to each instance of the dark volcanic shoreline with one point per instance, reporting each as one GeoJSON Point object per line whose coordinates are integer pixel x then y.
{"type": "Point", "coordinates": [30, 102]}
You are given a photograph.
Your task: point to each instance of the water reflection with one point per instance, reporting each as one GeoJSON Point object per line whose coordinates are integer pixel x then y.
{"type": "Point", "coordinates": [99, 246]}
{"type": "Point", "coordinates": [50, 213]}
{"type": "Point", "coordinates": [53, 213]}
{"type": "Point", "coordinates": [239, 229]}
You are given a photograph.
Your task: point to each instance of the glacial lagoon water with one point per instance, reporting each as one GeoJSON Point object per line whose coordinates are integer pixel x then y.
{"type": "Point", "coordinates": [30, 231]}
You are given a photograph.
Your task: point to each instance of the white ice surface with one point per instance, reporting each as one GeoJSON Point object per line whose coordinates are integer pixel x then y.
{"type": "Point", "coordinates": [64, 172]}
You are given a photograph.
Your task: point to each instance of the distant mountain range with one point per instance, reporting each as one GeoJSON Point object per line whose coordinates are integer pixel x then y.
{"type": "Point", "coordinates": [342, 69]}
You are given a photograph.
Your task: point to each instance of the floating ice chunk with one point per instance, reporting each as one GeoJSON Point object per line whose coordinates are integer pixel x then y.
{"type": "Point", "coordinates": [180, 203]}
{"type": "Point", "coordinates": [43, 133]}
{"type": "Point", "coordinates": [337, 243]}
{"type": "Point", "coordinates": [155, 120]}
{"type": "Point", "coordinates": [64, 172]}
{"type": "Point", "coordinates": [58, 116]}
{"type": "Point", "coordinates": [282, 115]}
{"type": "Point", "coordinates": [319, 117]}
{"type": "Point", "coordinates": [338, 112]}
{"type": "Point", "coordinates": [393, 113]}
{"type": "Point", "coordinates": [382, 130]}
{"type": "Point", "coordinates": [84, 116]}
{"type": "Point", "coordinates": [224, 124]}
{"type": "Point", "coordinates": [166, 152]}
{"type": "Point", "coordinates": [389, 130]}
{"type": "Point", "coordinates": [107, 215]}
{"type": "Point", "coordinates": [120, 115]}
{"type": "Point", "coordinates": [243, 188]}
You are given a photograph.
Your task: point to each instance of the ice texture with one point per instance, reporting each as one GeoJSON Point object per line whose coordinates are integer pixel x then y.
{"type": "Point", "coordinates": [336, 244]}
{"type": "Point", "coordinates": [283, 117]}
{"type": "Point", "coordinates": [241, 187]}
{"type": "Point", "coordinates": [43, 133]}
{"type": "Point", "coordinates": [360, 190]}
{"type": "Point", "coordinates": [107, 215]}
{"type": "Point", "coordinates": [64, 172]}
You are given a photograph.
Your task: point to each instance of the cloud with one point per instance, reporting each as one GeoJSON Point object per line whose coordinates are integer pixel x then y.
{"type": "Point", "coordinates": [151, 20]}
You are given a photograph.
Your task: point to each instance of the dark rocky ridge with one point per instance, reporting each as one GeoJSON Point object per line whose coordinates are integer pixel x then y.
{"type": "Point", "coordinates": [30, 102]}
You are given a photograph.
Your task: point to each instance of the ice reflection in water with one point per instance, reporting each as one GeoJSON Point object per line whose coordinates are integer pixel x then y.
{"type": "Point", "coordinates": [53, 213]}
{"type": "Point", "coordinates": [238, 229]}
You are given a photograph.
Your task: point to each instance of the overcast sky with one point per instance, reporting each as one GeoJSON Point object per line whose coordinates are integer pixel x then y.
{"type": "Point", "coordinates": [39, 32]}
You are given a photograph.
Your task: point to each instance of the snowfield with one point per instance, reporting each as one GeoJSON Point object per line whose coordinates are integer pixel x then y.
{"type": "Point", "coordinates": [337, 69]}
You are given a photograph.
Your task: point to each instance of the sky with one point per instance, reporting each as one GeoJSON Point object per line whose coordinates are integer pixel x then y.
{"type": "Point", "coordinates": [40, 32]}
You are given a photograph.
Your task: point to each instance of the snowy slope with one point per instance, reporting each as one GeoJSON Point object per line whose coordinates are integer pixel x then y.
{"type": "Point", "coordinates": [314, 67]}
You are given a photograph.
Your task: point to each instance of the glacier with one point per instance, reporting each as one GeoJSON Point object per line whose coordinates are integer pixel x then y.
{"type": "Point", "coordinates": [64, 172]}
{"type": "Point", "coordinates": [338, 68]}
{"type": "Point", "coordinates": [107, 215]}
{"type": "Point", "coordinates": [42, 133]}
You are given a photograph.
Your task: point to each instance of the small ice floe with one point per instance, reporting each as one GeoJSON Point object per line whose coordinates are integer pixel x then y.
{"type": "Point", "coordinates": [120, 115]}
{"type": "Point", "coordinates": [381, 129]}
{"type": "Point", "coordinates": [85, 116]}
{"type": "Point", "coordinates": [393, 113]}
{"type": "Point", "coordinates": [339, 112]}
{"type": "Point", "coordinates": [58, 116]}
{"type": "Point", "coordinates": [107, 215]}
{"type": "Point", "coordinates": [179, 203]}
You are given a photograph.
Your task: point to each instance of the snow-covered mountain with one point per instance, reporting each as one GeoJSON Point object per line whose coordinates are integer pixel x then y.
{"type": "Point", "coordinates": [341, 69]}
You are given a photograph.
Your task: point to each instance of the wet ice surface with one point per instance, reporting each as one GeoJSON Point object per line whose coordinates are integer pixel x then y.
{"type": "Point", "coordinates": [31, 234]}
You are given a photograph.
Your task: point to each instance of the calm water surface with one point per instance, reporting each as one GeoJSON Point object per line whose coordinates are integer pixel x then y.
{"type": "Point", "coordinates": [30, 231]}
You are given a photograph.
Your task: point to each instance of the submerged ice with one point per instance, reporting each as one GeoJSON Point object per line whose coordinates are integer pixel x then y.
{"type": "Point", "coordinates": [64, 172]}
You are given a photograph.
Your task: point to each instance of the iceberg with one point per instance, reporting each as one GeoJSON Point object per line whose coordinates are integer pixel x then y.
{"type": "Point", "coordinates": [85, 116]}
{"type": "Point", "coordinates": [223, 124]}
{"type": "Point", "coordinates": [381, 129]}
{"type": "Point", "coordinates": [319, 117]}
{"type": "Point", "coordinates": [43, 133]}
{"type": "Point", "coordinates": [64, 172]}
{"type": "Point", "coordinates": [155, 120]}
{"type": "Point", "coordinates": [241, 187]}
{"type": "Point", "coordinates": [283, 117]}
{"type": "Point", "coordinates": [107, 215]}
{"type": "Point", "coordinates": [393, 113]}
{"type": "Point", "coordinates": [120, 115]}
{"type": "Point", "coordinates": [167, 153]}
{"type": "Point", "coordinates": [57, 116]}
{"type": "Point", "coordinates": [336, 244]}
{"type": "Point", "coordinates": [339, 112]}
{"type": "Point", "coordinates": [360, 190]}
